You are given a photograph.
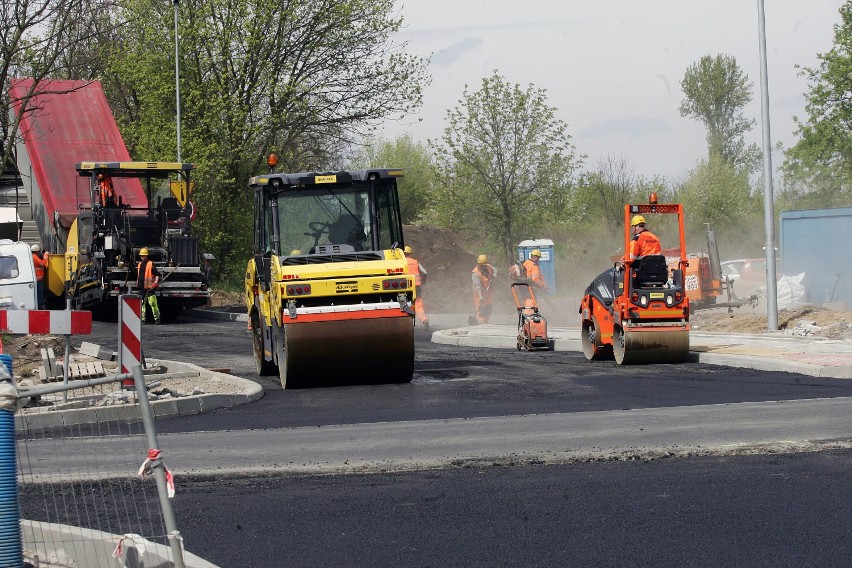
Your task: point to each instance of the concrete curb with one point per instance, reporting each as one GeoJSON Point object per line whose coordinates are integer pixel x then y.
{"type": "Point", "coordinates": [249, 391]}
{"type": "Point", "coordinates": [88, 547]}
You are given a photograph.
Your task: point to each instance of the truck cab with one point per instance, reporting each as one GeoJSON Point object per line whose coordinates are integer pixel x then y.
{"type": "Point", "coordinates": [17, 276]}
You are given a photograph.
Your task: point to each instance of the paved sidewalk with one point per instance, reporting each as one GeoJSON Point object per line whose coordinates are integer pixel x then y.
{"type": "Point", "coordinates": [770, 351]}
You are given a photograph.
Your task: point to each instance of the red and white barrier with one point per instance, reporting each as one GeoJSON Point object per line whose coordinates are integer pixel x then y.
{"type": "Point", "coordinates": [129, 334]}
{"type": "Point", "coordinates": [46, 322]}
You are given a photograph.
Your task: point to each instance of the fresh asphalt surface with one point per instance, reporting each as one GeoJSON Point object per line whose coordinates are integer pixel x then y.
{"type": "Point", "coordinates": [756, 510]}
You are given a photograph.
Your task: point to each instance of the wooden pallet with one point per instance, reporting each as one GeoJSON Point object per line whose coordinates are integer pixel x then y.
{"type": "Point", "coordinates": [53, 370]}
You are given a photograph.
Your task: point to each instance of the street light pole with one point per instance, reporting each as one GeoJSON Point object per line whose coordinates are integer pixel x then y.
{"type": "Point", "coordinates": [177, 78]}
{"type": "Point", "coordinates": [768, 209]}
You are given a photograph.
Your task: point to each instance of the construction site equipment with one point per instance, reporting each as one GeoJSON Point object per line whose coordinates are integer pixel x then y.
{"type": "Point", "coordinates": [704, 282]}
{"type": "Point", "coordinates": [638, 311]}
{"type": "Point", "coordinates": [93, 216]}
{"type": "Point", "coordinates": [328, 295]}
{"type": "Point", "coordinates": [532, 327]}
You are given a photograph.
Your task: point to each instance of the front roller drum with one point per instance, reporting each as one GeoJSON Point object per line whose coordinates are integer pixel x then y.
{"type": "Point", "coordinates": [657, 346]}
{"type": "Point", "coordinates": [346, 352]}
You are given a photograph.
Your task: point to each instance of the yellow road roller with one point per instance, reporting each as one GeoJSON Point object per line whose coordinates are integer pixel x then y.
{"type": "Point", "coordinates": [328, 295]}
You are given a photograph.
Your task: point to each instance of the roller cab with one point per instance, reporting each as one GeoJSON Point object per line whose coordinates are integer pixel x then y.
{"type": "Point", "coordinates": [638, 310]}
{"type": "Point", "coordinates": [327, 290]}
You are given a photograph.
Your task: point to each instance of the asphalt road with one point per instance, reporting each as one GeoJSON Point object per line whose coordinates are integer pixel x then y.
{"type": "Point", "coordinates": [770, 509]}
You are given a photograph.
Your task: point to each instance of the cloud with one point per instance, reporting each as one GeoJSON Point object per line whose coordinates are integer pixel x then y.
{"type": "Point", "coordinates": [450, 54]}
{"type": "Point", "coordinates": [634, 127]}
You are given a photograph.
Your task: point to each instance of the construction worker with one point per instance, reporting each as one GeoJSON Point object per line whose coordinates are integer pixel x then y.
{"type": "Point", "coordinates": [106, 190]}
{"type": "Point", "coordinates": [644, 242]}
{"type": "Point", "coordinates": [483, 275]}
{"type": "Point", "coordinates": [420, 275]}
{"type": "Point", "coordinates": [40, 262]}
{"type": "Point", "coordinates": [147, 280]}
{"type": "Point", "coordinates": [533, 272]}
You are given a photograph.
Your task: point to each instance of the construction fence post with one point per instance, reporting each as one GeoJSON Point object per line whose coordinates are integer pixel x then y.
{"type": "Point", "coordinates": [159, 469]}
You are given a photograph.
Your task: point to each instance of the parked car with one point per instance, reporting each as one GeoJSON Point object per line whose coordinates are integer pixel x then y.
{"type": "Point", "coordinates": [747, 269]}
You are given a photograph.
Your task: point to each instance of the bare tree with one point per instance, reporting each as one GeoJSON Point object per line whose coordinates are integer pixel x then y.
{"type": "Point", "coordinates": [42, 39]}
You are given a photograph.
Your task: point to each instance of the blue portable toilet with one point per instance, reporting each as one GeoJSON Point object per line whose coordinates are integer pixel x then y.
{"type": "Point", "coordinates": [547, 264]}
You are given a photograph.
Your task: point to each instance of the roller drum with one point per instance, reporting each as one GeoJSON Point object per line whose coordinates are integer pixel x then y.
{"type": "Point", "coordinates": [658, 346]}
{"type": "Point", "coordinates": [356, 351]}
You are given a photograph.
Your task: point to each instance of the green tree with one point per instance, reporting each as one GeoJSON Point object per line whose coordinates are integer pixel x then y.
{"type": "Point", "coordinates": [818, 168]}
{"type": "Point", "coordinates": [505, 162]}
{"type": "Point", "coordinates": [716, 91]}
{"type": "Point", "coordinates": [602, 193]}
{"type": "Point", "coordinates": [417, 187]}
{"type": "Point", "coordinates": [299, 78]}
{"type": "Point", "coordinates": [717, 193]}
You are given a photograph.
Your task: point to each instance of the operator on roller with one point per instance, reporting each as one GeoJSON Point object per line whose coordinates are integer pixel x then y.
{"type": "Point", "coordinates": [420, 275]}
{"type": "Point", "coordinates": [533, 272]}
{"type": "Point", "coordinates": [147, 280]}
{"type": "Point", "coordinates": [644, 242]}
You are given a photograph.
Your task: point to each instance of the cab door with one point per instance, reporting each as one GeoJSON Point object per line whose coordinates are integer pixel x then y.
{"type": "Point", "coordinates": [17, 277]}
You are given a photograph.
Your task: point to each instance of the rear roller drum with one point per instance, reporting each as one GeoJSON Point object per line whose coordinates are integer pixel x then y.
{"type": "Point", "coordinates": [263, 367]}
{"type": "Point", "coordinates": [590, 337]}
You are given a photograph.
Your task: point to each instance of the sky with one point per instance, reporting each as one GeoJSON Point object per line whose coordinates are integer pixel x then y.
{"type": "Point", "coordinates": [613, 68]}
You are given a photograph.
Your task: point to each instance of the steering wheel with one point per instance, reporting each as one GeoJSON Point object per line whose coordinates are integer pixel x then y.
{"type": "Point", "coordinates": [318, 227]}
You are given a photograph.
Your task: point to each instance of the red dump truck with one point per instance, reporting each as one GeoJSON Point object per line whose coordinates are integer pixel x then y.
{"type": "Point", "coordinates": [95, 208]}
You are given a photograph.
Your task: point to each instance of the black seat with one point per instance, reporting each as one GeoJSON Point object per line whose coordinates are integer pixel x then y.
{"type": "Point", "coordinates": [171, 208]}
{"type": "Point", "coordinates": [652, 271]}
{"type": "Point", "coordinates": [347, 230]}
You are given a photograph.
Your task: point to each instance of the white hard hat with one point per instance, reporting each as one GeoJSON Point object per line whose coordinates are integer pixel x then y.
{"type": "Point", "coordinates": [35, 248]}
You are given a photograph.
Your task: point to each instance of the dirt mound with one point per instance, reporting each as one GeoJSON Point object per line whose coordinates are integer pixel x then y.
{"type": "Point", "coordinates": [802, 320]}
{"type": "Point", "coordinates": [449, 289]}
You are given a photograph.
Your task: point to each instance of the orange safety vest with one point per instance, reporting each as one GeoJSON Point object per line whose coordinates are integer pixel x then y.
{"type": "Point", "coordinates": [414, 268]}
{"type": "Point", "coordinates": [40, 264]}
{"type": "Point", "coordinates": [485, 277]}
{"type": "Point", "coordinates": [107, 192]}
{"type": "Point", "coordinates": [534, 273]}
{"type": "Point", "coordinates": [149, 274]}
{"type": "Point", "coordinates": [644, 244]}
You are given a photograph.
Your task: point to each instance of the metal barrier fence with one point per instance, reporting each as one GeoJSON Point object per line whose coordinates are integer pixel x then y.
{"type": "Point", "coordinates": [84, 491]}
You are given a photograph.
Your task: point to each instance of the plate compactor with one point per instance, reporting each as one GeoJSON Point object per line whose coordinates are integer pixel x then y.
{"type": "Point", "coordinates": [532, 327]}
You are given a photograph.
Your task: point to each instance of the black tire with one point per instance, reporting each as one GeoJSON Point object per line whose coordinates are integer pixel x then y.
{"type": "Point", "coordinates": [263, 367]}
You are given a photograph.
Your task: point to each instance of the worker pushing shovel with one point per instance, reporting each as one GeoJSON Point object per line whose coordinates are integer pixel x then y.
{"type": "Point", "coordinates": [482, 277]}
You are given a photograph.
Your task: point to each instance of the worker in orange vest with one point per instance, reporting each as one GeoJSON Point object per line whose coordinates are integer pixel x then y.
{"type": "Point", "coordinates": [420, 275]}
{"type": "Point", "coordinates": [533, 272]}
{"type": "Point", "coordinates": [482, 275]}
{"type": "Point", "coordinates": [40, 259]}
{"type": "Point", "coordinates": [147, 280]}
{"type": "Point", "coordinates": [644, 242]}
{"type": "Point", "coordinates": [106, 190]}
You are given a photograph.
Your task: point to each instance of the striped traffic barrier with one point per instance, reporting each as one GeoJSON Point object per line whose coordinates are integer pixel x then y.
{"type": "Point", "coordinates": [129, 335]}
{"type": "Point", "coordinates": [46, 322]}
